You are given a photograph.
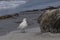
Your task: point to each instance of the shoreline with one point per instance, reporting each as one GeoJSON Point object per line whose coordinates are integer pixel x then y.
{"type": "Point", "coordinates": [36, 10]}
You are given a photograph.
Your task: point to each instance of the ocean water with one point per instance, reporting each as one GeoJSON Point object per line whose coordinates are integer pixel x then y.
{"type": "Point", "coordinates": [16, 6]}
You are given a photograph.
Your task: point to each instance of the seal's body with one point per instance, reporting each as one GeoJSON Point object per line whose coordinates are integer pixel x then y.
{"type": "Point", "coordinates": [49, 21]}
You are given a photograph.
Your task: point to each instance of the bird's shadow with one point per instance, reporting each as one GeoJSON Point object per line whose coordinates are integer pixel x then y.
{"type": "Point", "coordinates": [18, 31]}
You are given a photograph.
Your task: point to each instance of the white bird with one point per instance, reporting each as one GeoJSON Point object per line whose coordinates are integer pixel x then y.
{"type": "Point", "coordinates": [23, 25]}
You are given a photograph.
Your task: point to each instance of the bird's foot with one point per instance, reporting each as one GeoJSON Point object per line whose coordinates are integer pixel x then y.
{"type": "Point", "coordinates": [23, 31]}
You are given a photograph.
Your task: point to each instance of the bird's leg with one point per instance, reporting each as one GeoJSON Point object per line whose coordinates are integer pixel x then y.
{"type": "Point", "coordinates": [23, 31]}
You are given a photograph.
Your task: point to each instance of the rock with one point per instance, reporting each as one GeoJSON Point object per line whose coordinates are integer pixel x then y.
{"type": "Point", "coordinates": [16, 14]}
{"type": "Point", "coordinates": [49, 21]}
{"type": "Point", "coordinates": [50, 8]}
{"type": "Point", "coordinates": [9, 16]}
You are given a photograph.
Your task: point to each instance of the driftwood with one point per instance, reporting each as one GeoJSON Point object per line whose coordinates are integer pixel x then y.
{"type": "Point", "coordinates": [49, 21]}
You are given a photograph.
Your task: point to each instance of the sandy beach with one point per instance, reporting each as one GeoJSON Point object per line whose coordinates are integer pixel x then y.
{"type": "Point", "coordinates": [8, 28]}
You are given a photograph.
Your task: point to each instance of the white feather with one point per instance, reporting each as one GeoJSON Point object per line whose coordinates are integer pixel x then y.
{"type": "Point", "coordinates": [23, 25]}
